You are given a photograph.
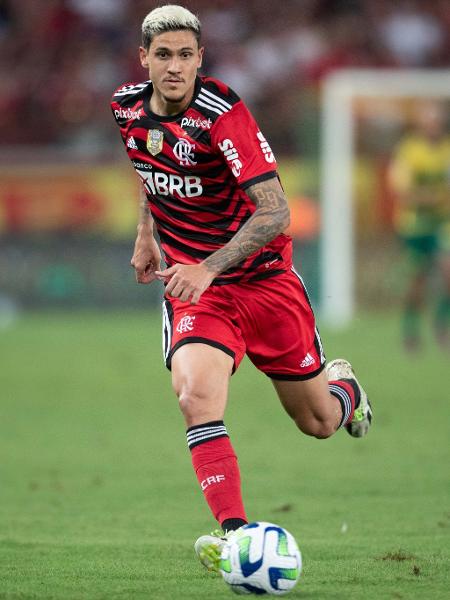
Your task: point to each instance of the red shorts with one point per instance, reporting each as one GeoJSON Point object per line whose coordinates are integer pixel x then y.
{"type": "Point", "coordinates": [269, 320]}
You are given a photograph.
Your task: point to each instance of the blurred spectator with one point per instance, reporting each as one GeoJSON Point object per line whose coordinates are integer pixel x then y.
{"type": "Point", "coordinates": [61, 59]}
{"type": "Point", "coordinates": [102, 13]}
{"type": "Point", "coordinates": [412, 34]}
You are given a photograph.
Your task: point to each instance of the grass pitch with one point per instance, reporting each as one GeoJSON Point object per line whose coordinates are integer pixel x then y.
{"type": "Point", "coordinates": [98, 499]}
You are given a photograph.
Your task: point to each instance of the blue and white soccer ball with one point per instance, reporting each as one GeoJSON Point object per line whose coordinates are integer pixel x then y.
{"type": "Point", "coordinates": [261, 558]}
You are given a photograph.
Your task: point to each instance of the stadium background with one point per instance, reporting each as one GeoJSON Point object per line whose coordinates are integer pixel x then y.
{"type": "Point", "coordinates": [93, 460]}
{"type": "Point", "coordinates": [68, 195]}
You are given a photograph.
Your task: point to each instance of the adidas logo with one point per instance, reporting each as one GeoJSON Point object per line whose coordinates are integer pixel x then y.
{"type": "Point", "coordinates": [131, 143]}
{"type": "Point", "coordinates": [307, 361]}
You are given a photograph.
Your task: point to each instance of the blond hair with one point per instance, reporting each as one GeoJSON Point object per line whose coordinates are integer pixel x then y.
{"type": "Point", "coordinates": [170, 17]}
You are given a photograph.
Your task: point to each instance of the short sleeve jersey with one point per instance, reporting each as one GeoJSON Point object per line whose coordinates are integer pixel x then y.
{"type": "Point", "coordinates": [195, 168]}
{"type": "Point", "coordinates": [421, 164]}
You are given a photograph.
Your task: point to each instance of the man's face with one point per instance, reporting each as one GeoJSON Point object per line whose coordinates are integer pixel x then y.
{"type": "Point", "coordinates": [432, 120]}
{"type": "Point", "coordinates": [172, 60]}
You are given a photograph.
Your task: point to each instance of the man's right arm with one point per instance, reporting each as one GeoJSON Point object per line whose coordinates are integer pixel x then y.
{"type": "Point", "coordinates": [147, 256]}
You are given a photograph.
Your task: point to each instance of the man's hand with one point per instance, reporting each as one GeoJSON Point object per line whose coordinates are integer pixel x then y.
{"type": "Point", "coordinates": [186, 282]}
{"type": "Point", "coordinates": [146, 258]}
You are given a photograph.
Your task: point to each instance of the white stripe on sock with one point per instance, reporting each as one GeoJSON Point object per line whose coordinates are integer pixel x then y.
{"type": "Point", "coordinates": [347, 402]}
{"type": "Point", "coordinates": [204, 434]}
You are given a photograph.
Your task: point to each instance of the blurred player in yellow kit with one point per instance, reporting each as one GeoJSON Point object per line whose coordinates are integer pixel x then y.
{"type": "Point", "coordinates": [420, 176]}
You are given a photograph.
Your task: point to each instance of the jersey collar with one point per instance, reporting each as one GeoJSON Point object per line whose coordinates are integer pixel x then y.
{"type": "Point", "coordinates": [167, 119]}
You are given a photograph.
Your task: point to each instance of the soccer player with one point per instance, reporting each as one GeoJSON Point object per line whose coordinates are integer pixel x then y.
{"type": "Point", "coordinates": [209, 184]}
{"type": "Point", "coordinates": [420, 176]}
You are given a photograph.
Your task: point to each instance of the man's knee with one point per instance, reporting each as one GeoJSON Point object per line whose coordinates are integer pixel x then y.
{"type": "Point", "coordinates": [192, 400]}
{"type": "Point", "coordinates": [200, 376]}
{"type": "Point", "coordinates": [320, 429]}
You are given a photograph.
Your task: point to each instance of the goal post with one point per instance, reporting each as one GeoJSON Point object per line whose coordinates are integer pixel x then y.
{"type": "Point", "coordinates": [337, 249]}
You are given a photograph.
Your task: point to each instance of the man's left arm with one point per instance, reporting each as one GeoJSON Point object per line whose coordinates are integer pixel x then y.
{"type": "Point", "coordinates": [270, 218]}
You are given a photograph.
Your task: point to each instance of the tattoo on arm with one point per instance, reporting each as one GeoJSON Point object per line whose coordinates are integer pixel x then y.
{"type": "Point", "coordinates": [145, 215]}
{"type": "Point", "coordinates": [270, 219]}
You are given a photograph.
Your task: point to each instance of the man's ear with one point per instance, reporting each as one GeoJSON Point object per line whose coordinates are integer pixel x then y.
{"type": "Point", "coordinates": [200, 56]}
{"type": "Point", "coordinates": [143, 56]}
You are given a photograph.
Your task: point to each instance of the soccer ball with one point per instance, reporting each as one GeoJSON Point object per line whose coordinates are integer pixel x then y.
{"type": "Point", "coordinates": [261, 558]}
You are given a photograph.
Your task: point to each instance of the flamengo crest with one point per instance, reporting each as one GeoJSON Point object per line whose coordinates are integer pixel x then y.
{"type": "Point", "coordinates": [155, 139]}
{"type": "Point", "coordinates": [186, 324]}
{"type": "Point", "coordinates": [184, 151]}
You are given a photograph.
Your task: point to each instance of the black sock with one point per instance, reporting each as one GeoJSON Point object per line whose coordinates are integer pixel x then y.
{"type": "Point", "coordinates": [232, 524]}
{"type": "Point", "coordinates": [347, 393]}
{"type": "Point", "coordinates": [352, 382]}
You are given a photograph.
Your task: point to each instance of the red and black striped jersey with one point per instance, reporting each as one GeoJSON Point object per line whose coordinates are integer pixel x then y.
{"type": "Point", "coordinates": [195, 167]}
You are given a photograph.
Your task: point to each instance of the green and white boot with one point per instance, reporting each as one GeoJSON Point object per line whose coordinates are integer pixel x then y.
{"type": "Point", "coordinates": [362, 417]}
{"type": "Point", "coordinates": [208, 548]}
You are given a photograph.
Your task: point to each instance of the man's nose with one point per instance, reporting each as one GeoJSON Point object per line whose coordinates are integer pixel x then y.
{"type": "Point", "coordinates": [174, 65]}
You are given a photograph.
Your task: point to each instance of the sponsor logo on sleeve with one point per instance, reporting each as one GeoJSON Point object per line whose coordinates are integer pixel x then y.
{"type": "Point", "coordinates": [268, 154]}
{"type": "Point", "coordinates": [232, 156]}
